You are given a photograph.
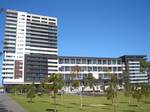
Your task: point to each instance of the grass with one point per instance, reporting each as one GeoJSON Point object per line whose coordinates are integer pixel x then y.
{"type": "Point", "coordinates": [90, 104]}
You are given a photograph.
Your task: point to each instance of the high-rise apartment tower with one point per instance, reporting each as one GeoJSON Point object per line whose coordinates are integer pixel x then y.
{"type": "Point", "coordinates": [30, 47]}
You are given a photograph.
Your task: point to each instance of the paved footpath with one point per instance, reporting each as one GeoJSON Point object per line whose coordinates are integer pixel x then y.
{"type": "Point", "coordinates": [9, 105]}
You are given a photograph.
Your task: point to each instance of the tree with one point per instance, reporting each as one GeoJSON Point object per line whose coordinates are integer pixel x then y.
{"type": "Point", "coordinates": [31, 92]}
{"type": "Point", "coordinates": [54, 83]}
{"type": "Point", "coordinates": [90, 81]}
{"type": "Point", "coordinates": [127, 86]}
{"type": "Point", "coordinates": [137, 93]}
{"type": "Point", "coordinates": [76, 84]}
{"type": "Point", "coordinates": [145, 89]}
{"type": "Point", "coordinates": [75, 73]}
{"type": "Point", "coordinates": [40, 90]}
{"type": "Point", "coordinates": [111, 91]}
{"type": "Point", "coordinates": [144, 65]}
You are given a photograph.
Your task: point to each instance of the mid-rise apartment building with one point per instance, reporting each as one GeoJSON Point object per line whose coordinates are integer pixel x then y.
{"type": "Point", "coordinates": [103, 68]}
{"type": "Point", "coordinates": [30, 54]}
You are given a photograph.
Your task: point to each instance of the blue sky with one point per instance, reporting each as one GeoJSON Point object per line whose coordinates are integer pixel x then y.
{"type": "Point", "coordinates": [105, 28]}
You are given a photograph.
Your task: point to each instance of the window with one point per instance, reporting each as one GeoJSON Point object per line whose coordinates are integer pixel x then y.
{"type": "Point", "coordinates": [44, 21]}
{"type": "Point", "coordinates": [89, 61]}
{"type": "Point", "coordinates": [119, 62]}
{"type": "Point", "coordinates": [61, 68]}
{"type": "Point", "coordinates": [94, 61]}
{"type": "Point", "coordinates": [78, 61]}
{"type": "Point", "coordinates": [94, 69]}
{"type": "Point", "coordinates": [114, 62]}
{"type": "Point", "coordinates": [99, 69]}
{"type": "Point", "coordinates": [67, 68]}
{"type": "Point", "coordinates": [66, 61]}
{"type": "Point", "coordinates": [84, 68]}
{"type": "Point", "coordinates": [114, 69]}
{"type": "Point", "coordinates": [83, 61]}
{"type": "Point", "coordinates": [109, 69]}
{"type": "Point", "coordinates": [35, 17]}
{"type": "Point", "coordinates": [44, 18]}
{"type": "Point", "coordinates": [72, 61]}
{"type": "Point", "coordinates": [109, 62]}
{"type": "Point", "coordinates": [104, 62]}
{"type": "Point", "coordinates": [119, 69]}
{"type": "Point", "coordinates": [99, 61]}
{"type": "Point", "coordinates": [36, 20]}
{"type": "Point", "coordinates": [89, 69]}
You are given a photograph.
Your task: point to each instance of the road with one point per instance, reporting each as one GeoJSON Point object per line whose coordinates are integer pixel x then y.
{"type": "Point", "coordinates": [9, 105]}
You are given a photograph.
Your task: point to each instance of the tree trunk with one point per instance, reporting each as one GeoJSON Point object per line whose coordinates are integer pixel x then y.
{"type": "Point", "coordinates": [81, 102]}
{"type": "Point", "coordinates": [54, 102]}
{"type": "Point", "coordinates": [114, 105]}
{"type": "Point", "coordinates": [62, 99]}
{"type": "Point", "coordinates": [31, 100]}
{"type": "Point", "coordinates": [129, 100]}
{"type": "Point", "coordinates": [93, 91]}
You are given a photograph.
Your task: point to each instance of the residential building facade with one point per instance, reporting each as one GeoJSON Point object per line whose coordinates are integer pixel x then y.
{"type": "Point", "coordinates": [103, 68]}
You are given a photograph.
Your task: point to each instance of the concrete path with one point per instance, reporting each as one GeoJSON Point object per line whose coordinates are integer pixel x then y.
{"type": "Point", "coordinates": [9, 105]}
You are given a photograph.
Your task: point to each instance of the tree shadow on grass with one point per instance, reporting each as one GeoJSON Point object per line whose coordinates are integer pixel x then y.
{"type": "Point", "coordinates": [106, 104]}
{"type": "Point", "coordinates": [30, 102]}
{"type": "Point", "coordinates": [133, 105]}
{"type": "Point", "coordinates": [68, 107]}
{"type": "Point", "coordinates": [123, 102]}
{"type": "Point", "coordinates": [128, 110]}
{"type": "Point", "coordinates": [105, 108]}
{"type": "Point", "coordinates": [147, 102]}
{"type": "Point", "coordinates": [74, 103]}
{"type": "Point", "coordinates": [87, 106]}
{"type": "Point", "coordinates": [51, 110]}
{"type": "Point", "coordinates": [44, 101]}
{"type": "Point", "coordinates": [56, 104]}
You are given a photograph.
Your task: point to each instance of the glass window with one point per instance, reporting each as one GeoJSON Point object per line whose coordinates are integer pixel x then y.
{"type": "Point", "coordinates": [89, 61]}
{"type": "Point", "coordinates": [83, 61]}
{"type": "Point", "coordinates": [110, 69]}
{"type": "Point", "coordinates": [119, 69]}
{"type": "Point", "coordinates": [114, 69]}
{"type": "Point", "coordinates": [72, 61]}
{"type": "Point", "coordinates": [99, 69]}
{"type": "Point", "coordinates": [67, 68]}
{"type": "Point", "coordinates": [118, 62]}
{"type": "Point", "coordinates": [104, 62]}
{"type": "Point", "coordinates": [83, 68]}
{"type": "Point", "coordinates": [60, 61]}
{"type": "Point", "coordinates": [66, 61]}
{"type": "Point", "coordinates": [94, 61]}
{"type": "Point", "coordinates": [89, 69]}
{"type": "Point", "coordinates": [99, 61]}
{"type": "Point", "coordinates": [94, 68]}
{"type": "Point", "coordinates": [114, 62]}
{"type": "Point", "coordinates": [109, 62]}
{"type": "Point", "coordinates": [78, 61]}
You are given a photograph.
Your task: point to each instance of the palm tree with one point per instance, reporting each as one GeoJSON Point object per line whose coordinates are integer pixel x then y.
{"type": "Point", "coordinates": [75, 73]}
{"type": "Point", "coordinates": [31, 92]}
{"type": "Point", "coordinates": [111, 91]}
{"type": "Point", "coordinates": [90, 81]}
{"type": "Point", "coordinates": [144, 65]}
{"type": "Point", "coordinates": [137, 93]}
{"type": "Point", "coordinates": [53, 83]}
{"type": "Point", "coordinates": [145, 89]}
{"type": "Point", "coordinates": [127, 86]}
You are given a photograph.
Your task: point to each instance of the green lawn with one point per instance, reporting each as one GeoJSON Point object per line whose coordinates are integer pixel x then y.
{"type": "Point", "coordinates": [72, 104]}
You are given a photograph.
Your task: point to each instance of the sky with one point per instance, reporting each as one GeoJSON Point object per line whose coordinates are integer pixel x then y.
{"type": "Point", "coordinates": [99, 28]}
